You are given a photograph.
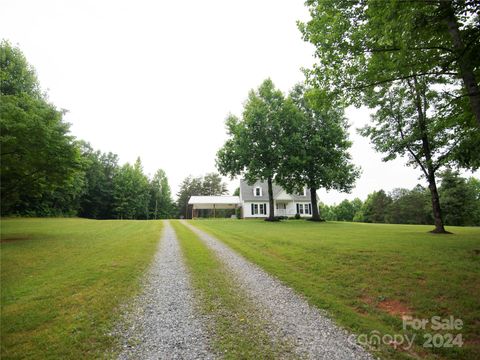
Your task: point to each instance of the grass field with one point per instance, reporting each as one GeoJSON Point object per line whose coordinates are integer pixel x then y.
{"type": "Point", "coordinates": [62, 280]}
{"type": "Point", "coordinates": [368, 275]}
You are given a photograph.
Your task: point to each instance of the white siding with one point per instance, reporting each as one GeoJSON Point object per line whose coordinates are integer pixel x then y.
{"type": "Point", "coordinates": [247, 209]}
{"type": "Point", "coordinates": [291, 209]}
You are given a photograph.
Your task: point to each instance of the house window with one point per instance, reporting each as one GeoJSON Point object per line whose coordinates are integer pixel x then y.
{"type": "Point", "coordinates": [257, 191]}
{"type": "Point", "coordinates": [304, 209]}
{"type": "Point", "coordinates": [263, 209]}
{"type": "Point", "coordinates": [259, 209]}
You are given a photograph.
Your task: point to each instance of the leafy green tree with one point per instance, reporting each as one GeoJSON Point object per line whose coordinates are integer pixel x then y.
{"type": "Point", "coordinates": [345, 211]}
{"type": "Point", "coordinates": [409, 122]}
{"type": "Point", "coordinates": [212, 185]}
{"type": "Point", "coordinates": [252, 149]}
{"type": "Point", "coordinates": [383, 41]}
{"type": "Point", "coordinates": [131, 192]}
{"type": "Point", "coordinates": [39, 158]}
{"type": "Point", "coordinates": [17, 76]}
{"type": "Point", "coordinates": [374, 209]}
{"type": "Point", "coordinates": [161, 203]}
{"type": "Point", "coordinates": [359, 216]}
{"type": "Point", "coordinates": [314, 146]}
{"type": "Point", "coordinates": [409, 206]}
{"type": "Point", "coordinates": [357, 207]}
{"type": "Point", "coordinates": [97, 200]}
{"type": "Point", "coordinates": [327, 212]}
{"type": "Point", "coordinates": [190, 186]}
{"type": "Point", "coordinates": [474, 186]}
{"type": "Point", "coordinates": [142, 198]}
{"type": "Point", "coordinates": [460, 200]}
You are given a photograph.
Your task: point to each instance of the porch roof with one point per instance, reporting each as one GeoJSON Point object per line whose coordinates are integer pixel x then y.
{"type": "Point", "coordinates": [214, 202]}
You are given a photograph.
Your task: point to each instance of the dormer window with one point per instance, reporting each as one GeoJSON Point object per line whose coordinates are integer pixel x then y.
{"type": "Point", "coordinates": [257, 191]}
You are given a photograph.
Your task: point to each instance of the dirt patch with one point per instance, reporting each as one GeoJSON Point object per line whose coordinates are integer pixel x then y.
{"type": "Point", "coordinates": [394, 307]}
{"type": "Point", "coordinates": [15, 238]}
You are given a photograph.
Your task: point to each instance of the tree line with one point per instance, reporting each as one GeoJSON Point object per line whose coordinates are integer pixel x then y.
{"type": "Point", "coordinates": [45, 171]}
{"type": "Point", "coordinates": [459, 198]}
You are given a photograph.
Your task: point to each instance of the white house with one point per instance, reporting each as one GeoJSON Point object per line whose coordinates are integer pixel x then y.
{"type": "Point", "coordinates": [254, 201]}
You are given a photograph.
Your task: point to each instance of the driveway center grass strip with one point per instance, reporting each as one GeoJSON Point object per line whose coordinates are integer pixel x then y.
{"type": "Point", "coordinates": [62, 281]}
{"type": "Point", "coordinates": [368, 275]}
{"type": "Point", "coordinates": [237, 331]}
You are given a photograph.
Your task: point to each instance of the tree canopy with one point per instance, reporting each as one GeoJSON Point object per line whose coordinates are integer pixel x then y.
{"type": "Point", "coordinates": [378, 43]}
{"type": "Point", "coordinates": [38, 155]}
{"type": "Point", "coordinates": [314, 146]}
{"type": "Point", "coordinates": [252, 149]}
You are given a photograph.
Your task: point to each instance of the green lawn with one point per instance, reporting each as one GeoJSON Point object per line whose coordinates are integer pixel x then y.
{"type": "Point", "coordinates": [367, 275]}
{"type": "Point", "coordinates": [62, 281]}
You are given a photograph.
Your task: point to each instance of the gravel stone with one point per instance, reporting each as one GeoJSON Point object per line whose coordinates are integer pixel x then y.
{"type": "Point", "coordinates": [163, 322]}
{"type": "Point", "coordinates": [312, 334]}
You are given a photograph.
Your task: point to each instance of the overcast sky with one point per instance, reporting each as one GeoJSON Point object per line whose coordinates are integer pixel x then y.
{"type": "Point", "coordinates": [156, 79]}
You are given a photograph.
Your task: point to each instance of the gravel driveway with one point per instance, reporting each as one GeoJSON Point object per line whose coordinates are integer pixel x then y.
{"type": "Point", "coordinates": [312, 334]}
{"type": "Point", "coordinates": [163, 323]}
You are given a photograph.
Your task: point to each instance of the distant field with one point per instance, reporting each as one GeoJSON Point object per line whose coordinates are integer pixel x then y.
{"type": "Point", "coordinates": [62, 279]}
{"type": "Point", "coordinates": [368, 275]}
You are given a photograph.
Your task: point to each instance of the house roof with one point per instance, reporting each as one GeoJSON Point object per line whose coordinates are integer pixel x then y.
{"type": "Point", "coordinates": [209, 202]}
{"type": "Point", "coordinates": [246, 192]}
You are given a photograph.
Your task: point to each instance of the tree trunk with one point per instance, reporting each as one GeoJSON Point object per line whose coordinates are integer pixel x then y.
{"type": "Point", "coordinates": [466, 68]}
{"type": "Point", "coordinates": [428, 167]}
{"type": "Point", "coordinates": [271, 215]}
{"type": "Point", "coordinates": [437, 211]}
{"type": "Point", "coordinates": [313, 199]}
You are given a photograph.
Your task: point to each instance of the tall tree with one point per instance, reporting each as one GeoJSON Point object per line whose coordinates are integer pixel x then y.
{"type": "Point", "coordinates": [314, 146]}
{"type": "Point", "coordinates": [131, 192]}
{"type": "Point", "coordinates": [38, 154]}
{"type": "Point", "coordinates": [460, 200]}
{"type": "Point", "coordinates": [161, 203]}
{"type": "Point", "coordinates": [212, 185]}
{"type": "Point", "coordinates": [375, 207]}
{"type": "Point", "coordinates": [345, 211]}
{"type": "Point", "coordinates": [97, 200]}
{"type": "Point", "coordinates": [190, 186]}
{"type": "Point", "coordinates": [410, 122]}
{"type": "Point", "coordinates": [409, 206]}
{"type": "Point", "coordinates": [252, 149]}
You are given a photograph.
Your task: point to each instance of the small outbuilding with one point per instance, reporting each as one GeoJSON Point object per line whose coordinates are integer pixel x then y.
{"type": "Point", "coordinates": [213, 203]}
